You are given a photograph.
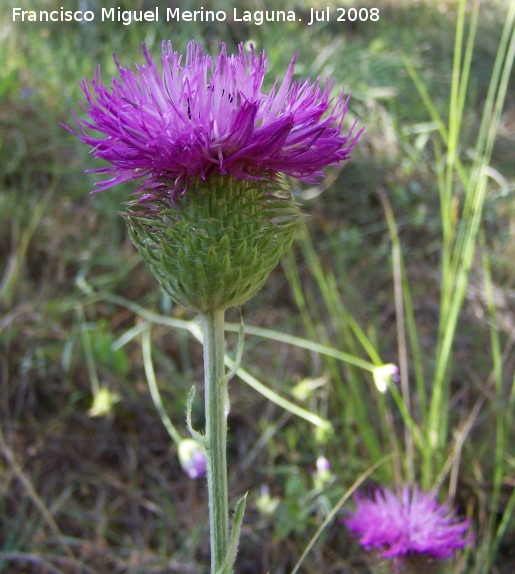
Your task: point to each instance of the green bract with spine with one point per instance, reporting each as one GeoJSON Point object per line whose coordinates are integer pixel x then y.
{"type": "Point", "coordinates": [216, 246]}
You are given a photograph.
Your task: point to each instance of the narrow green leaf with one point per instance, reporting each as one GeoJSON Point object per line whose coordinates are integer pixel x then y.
{"type": "Point", "coordinates": [228, 565]}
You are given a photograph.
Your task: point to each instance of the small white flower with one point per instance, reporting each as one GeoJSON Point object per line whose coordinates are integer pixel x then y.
{"type": "Point", "coordinates": [385, 375]}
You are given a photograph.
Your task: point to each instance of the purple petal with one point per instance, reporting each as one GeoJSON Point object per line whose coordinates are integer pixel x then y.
{"type": "Point", "coordinates": [206, 117]}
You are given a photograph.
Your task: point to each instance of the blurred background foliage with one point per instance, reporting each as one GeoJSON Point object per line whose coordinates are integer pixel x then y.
{"type": "Point", "coordinates": [82, 493]}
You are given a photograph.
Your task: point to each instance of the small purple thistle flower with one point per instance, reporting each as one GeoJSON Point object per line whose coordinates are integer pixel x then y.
{"type": "Point", "coordinates": [199, 118]}
{"type": "Point", "coordinates": [407, 525]}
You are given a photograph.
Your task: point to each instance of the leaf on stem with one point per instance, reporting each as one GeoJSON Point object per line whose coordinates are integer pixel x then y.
{"type": "Point", "coordinates": [189, 405]}
{"type": "Point", "coordinates": [239, 511]}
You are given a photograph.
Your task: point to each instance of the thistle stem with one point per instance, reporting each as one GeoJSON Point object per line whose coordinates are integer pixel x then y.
{"type": "Point", "coordinates": [216, 407]}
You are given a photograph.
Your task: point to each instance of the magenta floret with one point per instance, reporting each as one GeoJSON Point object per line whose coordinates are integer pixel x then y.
{"type": "Point", "coordinates": [194, 119]}
{"type": "Point", "coordinates": [412, 523]}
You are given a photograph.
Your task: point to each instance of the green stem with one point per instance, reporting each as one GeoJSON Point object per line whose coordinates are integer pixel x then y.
{"type": "Point", "coordinates": [217, 406]}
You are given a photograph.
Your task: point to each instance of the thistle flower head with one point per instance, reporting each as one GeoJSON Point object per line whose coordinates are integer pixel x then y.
{"type": "Point", "coordinates": [410, 524]}
{"type": "Point", "coordinates": [195, 117]}
{"type": "Point", "coordinates": [209, 147]}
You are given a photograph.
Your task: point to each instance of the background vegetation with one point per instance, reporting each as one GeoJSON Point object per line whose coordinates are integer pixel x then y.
{"type": "Point", "coordinates": [406, 257]}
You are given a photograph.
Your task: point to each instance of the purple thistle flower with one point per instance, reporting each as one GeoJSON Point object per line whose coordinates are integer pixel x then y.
{"type": "Point", "coordinates": [201, 118]}
{"type": "Point", "coordinates": [411, 524]}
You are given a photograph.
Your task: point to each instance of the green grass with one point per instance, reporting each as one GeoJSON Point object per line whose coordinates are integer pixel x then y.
{"type": "Point", "coordinates": [406, 257]}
